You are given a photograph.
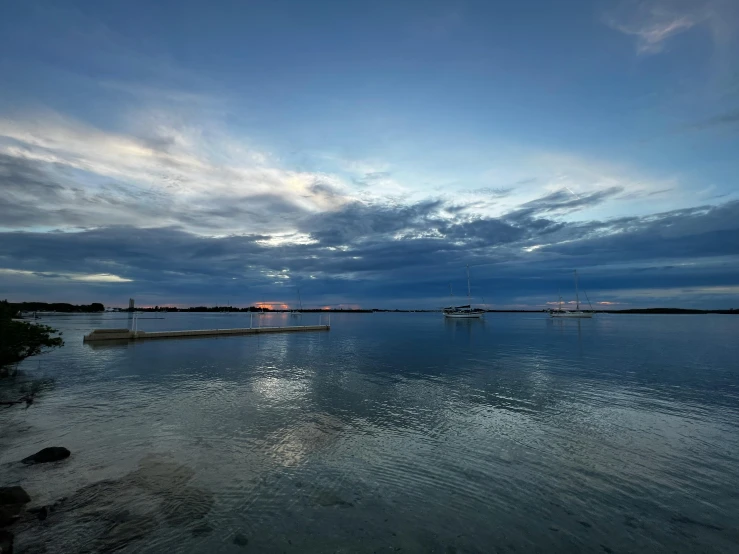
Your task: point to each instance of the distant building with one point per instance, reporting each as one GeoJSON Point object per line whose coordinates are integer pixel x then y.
{"type": "Point", "coordinates": [130, 304]}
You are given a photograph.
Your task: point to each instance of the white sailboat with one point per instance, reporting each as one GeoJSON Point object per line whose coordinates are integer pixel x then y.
{"type": "Point", "coordinates": [577, 313]}
{"type": "Point", "coordinates": [464, 312]}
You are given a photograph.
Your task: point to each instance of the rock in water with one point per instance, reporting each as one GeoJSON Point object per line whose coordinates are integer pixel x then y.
{"type": "Point", "coordinates": [8, 514]}
{"type": "Point", "coordinates": [6, 542]}
{"type": "Point", "coordinates": [240, 540]}
{"type": "Point", "coordinates": [13, 495]}
{"type": "Point", "coordinates": [41, 513]}
{"type": "Point", "coordinates": [50, 454]}
{"type": "Point", "coordinates": [12, 500]}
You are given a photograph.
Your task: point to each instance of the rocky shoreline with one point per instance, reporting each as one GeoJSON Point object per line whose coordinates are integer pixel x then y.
{"type": "Point", "coordinates": [102, 516]}
{"type": "Point", "coordinates": [13, 499]}
{"type": "Point", "coordinates": [107, 515]}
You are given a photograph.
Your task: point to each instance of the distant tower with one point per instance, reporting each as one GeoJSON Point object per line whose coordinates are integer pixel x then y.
{"type": "Point", "coordinates": [130, 304]}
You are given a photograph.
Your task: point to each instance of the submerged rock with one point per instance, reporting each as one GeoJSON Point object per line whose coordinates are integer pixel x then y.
{"type": "Point", "coordinates": [13, 495]}
{"type": "Point", "coordinates": [6, 542]}
{"type": "Point", "coordinates": [240, 540]}
{"type": "Point", "coordinates": [41, 512]}
{"type": "Point", "coordinates": [329, 498]}
{"type": "Point", "coordinates": [8, 514]}
{"type": "Point", "coordinates": [160, 475]}
{"type": "Point", "coordinates": [12, 500]}
{"type": "Point", "coordinates": [117, 514]}
{"type": "Point", "coordinates": [50, 454]}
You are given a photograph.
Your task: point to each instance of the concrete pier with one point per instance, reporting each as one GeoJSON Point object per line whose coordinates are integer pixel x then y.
{"type": "Point", "coordinates": [127, 334]}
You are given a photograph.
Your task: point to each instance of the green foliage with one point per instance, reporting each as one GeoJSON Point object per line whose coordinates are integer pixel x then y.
{"type": "Point", "coordinates": [19, 339]}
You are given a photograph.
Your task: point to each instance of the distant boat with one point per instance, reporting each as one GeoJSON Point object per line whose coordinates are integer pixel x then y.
{"type": "Point", "coordinates": [466, 311]}
{"type": "Point", "coordinates": [577, 313]}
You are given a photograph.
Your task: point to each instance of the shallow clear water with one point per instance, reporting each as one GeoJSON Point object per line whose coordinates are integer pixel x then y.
{"type": "Point", "coordinates": [391, 432]}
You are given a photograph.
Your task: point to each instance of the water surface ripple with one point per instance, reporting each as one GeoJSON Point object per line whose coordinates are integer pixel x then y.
{"type": "Point", "coordinates": [392, 432]}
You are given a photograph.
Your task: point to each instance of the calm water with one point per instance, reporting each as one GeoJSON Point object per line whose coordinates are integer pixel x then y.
{"type": "Point", "coordinates": [390, 433]}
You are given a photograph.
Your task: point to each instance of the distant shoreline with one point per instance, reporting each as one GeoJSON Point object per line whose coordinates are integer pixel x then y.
{"type": "Point", "coordinates": [668, 311]}
{"type": "Point", "coordinates": [647, 311]}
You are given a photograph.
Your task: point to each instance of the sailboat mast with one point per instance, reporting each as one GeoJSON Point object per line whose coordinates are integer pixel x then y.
{"type": "Point", "coordinates": [469, 296]}
{"type": "Point", "coordinates": [577, 292]}
{"type": "Point", "coordinates": [300, 302]}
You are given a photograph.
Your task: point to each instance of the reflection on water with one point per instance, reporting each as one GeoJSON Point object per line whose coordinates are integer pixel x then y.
{"type": "Point", "coordinates": [570, 326]}
{"type": "Point", "coordinates": [393, 432]}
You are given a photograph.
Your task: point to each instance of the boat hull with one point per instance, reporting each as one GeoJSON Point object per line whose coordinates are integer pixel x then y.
{"type": "Point", "coordinates": [569, 315]}
{"type": "Point", "coordinates": [464, 316]}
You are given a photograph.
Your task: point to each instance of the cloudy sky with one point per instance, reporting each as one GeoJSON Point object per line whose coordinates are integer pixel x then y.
{"type": "Point", "coordinates": [189, 152]}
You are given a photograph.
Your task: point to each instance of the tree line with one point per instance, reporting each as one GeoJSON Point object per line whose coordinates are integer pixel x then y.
{"type": "Point", "coordinates": [56, 307]}
{"type": "Point", "coordinates": [21, 339]}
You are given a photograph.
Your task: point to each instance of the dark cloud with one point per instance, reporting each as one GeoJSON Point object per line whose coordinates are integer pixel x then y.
{"type": "Point", "coordinates": [565, 201]}
{"type": "Point", "coordinates": [485, 232]}
{"type": "Point", "coordinates": [40, 194]}
{"type": "Point", "coordinates": [357, 221]}
{"type": "Point", "coordinates": [382, 255]}
{"type": "Point", "coordinates": [17, 174]}
{"type": "Point", "coordinates": [22, 185]}
{"type": "Point", "coordinates": [682, 234]}
{"type": "Point", "coordinates": [491, 191]}
{"type": "Point", "coordinates": [217, 213]}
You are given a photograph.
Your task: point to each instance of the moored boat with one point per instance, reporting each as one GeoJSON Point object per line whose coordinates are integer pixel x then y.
{"type": "Point", "coordinates": [577, 312]}
{"type": "Point", "coordinates": [466, 311]}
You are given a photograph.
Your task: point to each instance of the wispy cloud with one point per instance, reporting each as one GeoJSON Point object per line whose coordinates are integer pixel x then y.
{"type": "Point", "coordinates": [727, 119]}
{"type": "Point", "coordinates": [61, 173]}
{"type": "Point", "coordinates": [87, 278]}
{"type": "Point", "coordinates": [101, 278]}
{"type": "Point", "coordinates": [173, 176]}
{"type": "Point", "coordinates": [654, 22]}
{"type": "Point", "coordinates": [652, 35]}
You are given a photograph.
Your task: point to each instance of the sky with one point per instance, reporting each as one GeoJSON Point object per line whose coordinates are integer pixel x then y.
{"type": "Point", "coordinates": [212, 153]}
